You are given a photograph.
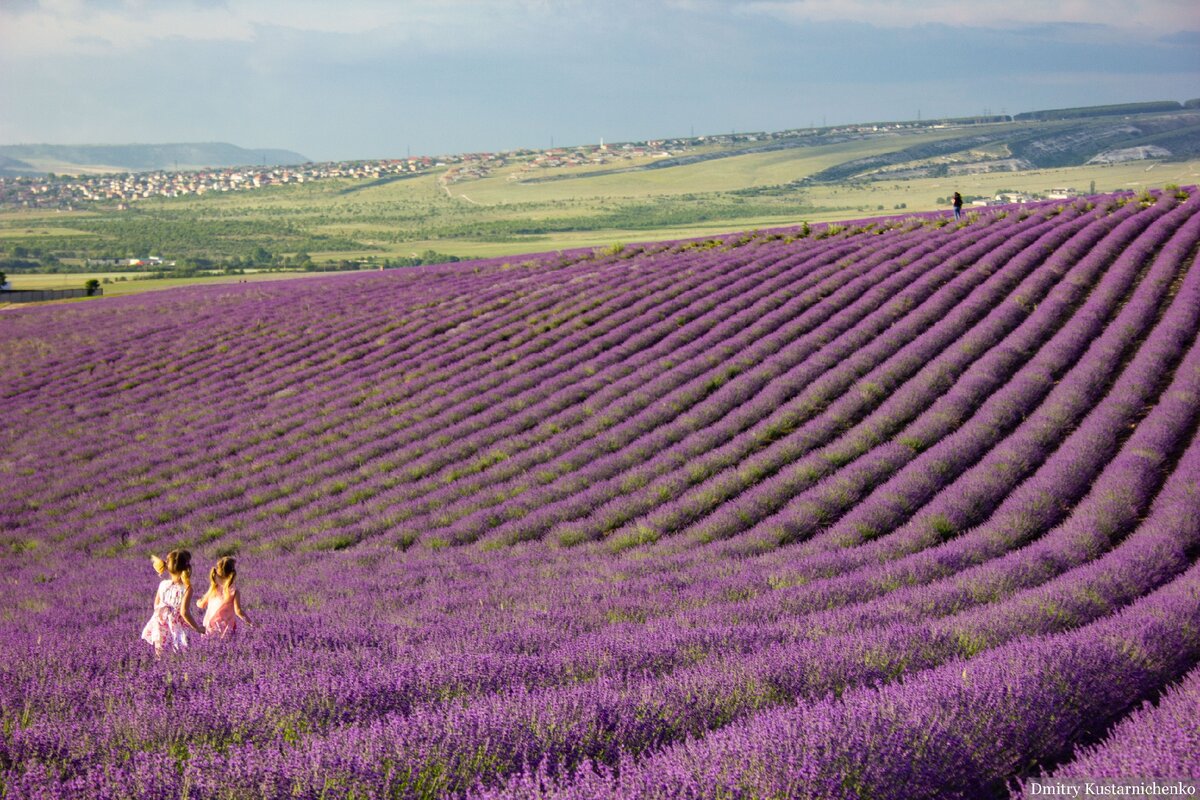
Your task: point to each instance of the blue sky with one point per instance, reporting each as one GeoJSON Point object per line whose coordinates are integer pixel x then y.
{"type": "Point", "coordinates": [375, 79]}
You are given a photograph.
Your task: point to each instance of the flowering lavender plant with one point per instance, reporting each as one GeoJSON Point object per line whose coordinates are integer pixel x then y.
{"type": "Point", "coordinates": [889, 509]}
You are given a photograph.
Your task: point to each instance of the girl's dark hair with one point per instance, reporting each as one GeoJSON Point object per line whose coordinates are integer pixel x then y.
{"type": "Point", "coordinates": [179, 562]}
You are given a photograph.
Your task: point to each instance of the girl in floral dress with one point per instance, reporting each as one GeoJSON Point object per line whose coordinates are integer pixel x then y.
{"type": "Point", "coordinates": [223, 606]}
{"type": "Point", "coordinates": [168, 626]}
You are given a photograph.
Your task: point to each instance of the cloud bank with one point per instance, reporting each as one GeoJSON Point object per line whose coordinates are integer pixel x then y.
{"type": "Point", "coordinates": [373, 79]}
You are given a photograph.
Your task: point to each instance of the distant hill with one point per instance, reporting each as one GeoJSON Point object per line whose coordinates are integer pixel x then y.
{"type": "Point", "coordinates": [1122, 109]}
{"type": "Point", "coordinates": [13, 166]}
{"type": "Point", "coordinates": [1060, 140]}
{"type": "Point", "coordinates": [41, 158]}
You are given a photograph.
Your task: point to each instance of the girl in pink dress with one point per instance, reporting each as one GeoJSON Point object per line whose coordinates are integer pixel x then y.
{"type": "Point", "coordinates": [168, 626]}
{"type": "Point", "coordinates": [221, 604]}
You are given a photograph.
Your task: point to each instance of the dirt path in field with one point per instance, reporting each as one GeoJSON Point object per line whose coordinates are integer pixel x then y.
{"type": "Point", "coordinates": [451, 195]}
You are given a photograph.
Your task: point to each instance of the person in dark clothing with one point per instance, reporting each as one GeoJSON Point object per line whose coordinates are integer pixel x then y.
{"type": "Point", "coordinates": [957, 207]}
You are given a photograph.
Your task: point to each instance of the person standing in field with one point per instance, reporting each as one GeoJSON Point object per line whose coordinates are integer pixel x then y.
{"type": "Point", "coordinates": [222, 605]}
{"type": "Point", "coordinates": [168, 626]}
{"type": "Point", "coordinates": [957, 207]}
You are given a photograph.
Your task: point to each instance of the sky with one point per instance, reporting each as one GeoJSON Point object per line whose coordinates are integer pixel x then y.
{"type": "Point", "coordinates": [359, 79]}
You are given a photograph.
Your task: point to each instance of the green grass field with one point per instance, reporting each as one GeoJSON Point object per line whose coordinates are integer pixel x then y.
{"type": "Point", "coordinates": [136, 283]}
{"type": "Point", "coordinates": [518, 209]}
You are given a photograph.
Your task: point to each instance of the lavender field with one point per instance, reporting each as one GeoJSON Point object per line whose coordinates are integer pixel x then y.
{"type": "Point", "coordinates": [898, 509]}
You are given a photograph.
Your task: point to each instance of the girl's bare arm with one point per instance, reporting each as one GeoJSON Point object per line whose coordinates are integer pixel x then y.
{"type": "Point", "coordinates": [186, 612]}
{"type": "Point", "coordinates": [237, 608]}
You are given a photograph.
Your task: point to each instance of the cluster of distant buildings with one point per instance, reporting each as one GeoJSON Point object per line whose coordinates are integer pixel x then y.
{"type": "Point", "coordinates": [1009, 198]}
{"type": "Point", "coordinates": [66, 192]}
{"type": "Point", "coordinates": [146, 262]}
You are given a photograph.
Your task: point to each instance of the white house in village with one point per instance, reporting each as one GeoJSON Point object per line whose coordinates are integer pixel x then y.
{"type": "Point", "coordinates": [1012, 197]}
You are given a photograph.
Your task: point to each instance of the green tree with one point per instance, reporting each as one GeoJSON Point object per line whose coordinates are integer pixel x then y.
{"type": "Point", "coordinates": [3, 278]}
{"type": "Point", "coordinates": [91, 286]}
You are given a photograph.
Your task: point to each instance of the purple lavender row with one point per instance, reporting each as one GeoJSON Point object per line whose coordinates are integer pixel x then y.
{"type": "Point", "coordinates": [758, 452]}
{"type": "Point", "coordinates": [1108, 579]}
{"type": "Point", "coordinates": [849, 574]}
{"type": "Point", "coordinates": [278, 423]}
{"type": "Point", "coordinates": [728, 300]}
{"type": "Point", "coordinates": [673, 292]}
{"type": "Point", "coordinates": [316, 345]}
{"type": "Point", "coordinates": [1116, 501]}
{"type": "Point", "coordinates": [881, 650]}
{"type": "Point", "coordinates": [1157, 742]}
{"type": "Point", "coordinates": [383, 443]}
{"type": "Point", "coordinates": [777, 307]}
{"type": "Point", "coordinates": [658, 399]}
{"type": "Point", "coordinates": [212, 295]}
{"type": "Point", "coordinates": [958, 731]}
{"type": "Point", "coordinates": [990, 341]}
{"type": "Point", "coordinates": [377, 445]}
{"type": "Point", "coordinates": [995, 470]}
{"type": "Point", "coordinates": [1159, 550]}
{"type": "Point", "coordinates": [657, 479]}
{"type": "Point", "coordinates": [118, 347]}
{"type": "Point", "coordinates": [426, 753]}
{"type": "Point", "coordinates": [976, 441]}
{"type": "Point", "coordinates": [1136, 386]}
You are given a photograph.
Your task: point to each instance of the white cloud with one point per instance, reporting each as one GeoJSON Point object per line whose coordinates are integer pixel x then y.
{"type": "Point", "coordinates": [97, 28]}
{"type": "Point", "coordinates": [79, 26]}
{"type": "Point", "coordinates": [58, 26]}
{"type": "Point", "coordinates": [1150, 17]}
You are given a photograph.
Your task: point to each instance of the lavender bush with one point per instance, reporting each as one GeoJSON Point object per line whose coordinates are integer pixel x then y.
{"type": "Point", "coordinates": [889, 509]}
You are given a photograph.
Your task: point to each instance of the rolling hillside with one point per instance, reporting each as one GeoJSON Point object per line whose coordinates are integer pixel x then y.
{"type": "Point", "coordinates": [893, 509]}
{"type": "Point", "coordinates": [529, 201]}
{"type": "Point", "coordinates": [26, 159]}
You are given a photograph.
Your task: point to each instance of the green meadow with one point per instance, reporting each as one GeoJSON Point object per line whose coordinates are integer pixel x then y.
{"type": "Point", "coordinates": [122, 283]}
{"type": "Point", "coordinates": [521, 209]}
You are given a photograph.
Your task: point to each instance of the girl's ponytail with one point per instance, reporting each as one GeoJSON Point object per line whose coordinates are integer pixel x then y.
{"type": "Point", "coordinates": [226, 571]}
{"type": "Point", "coordinates": [158, 563]}
{"type": "Point", "coordinates": [212, 580]}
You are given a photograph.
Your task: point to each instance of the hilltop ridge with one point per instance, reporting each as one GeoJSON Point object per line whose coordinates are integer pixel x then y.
{"type": "Point", "coordinates": [33, 159]}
